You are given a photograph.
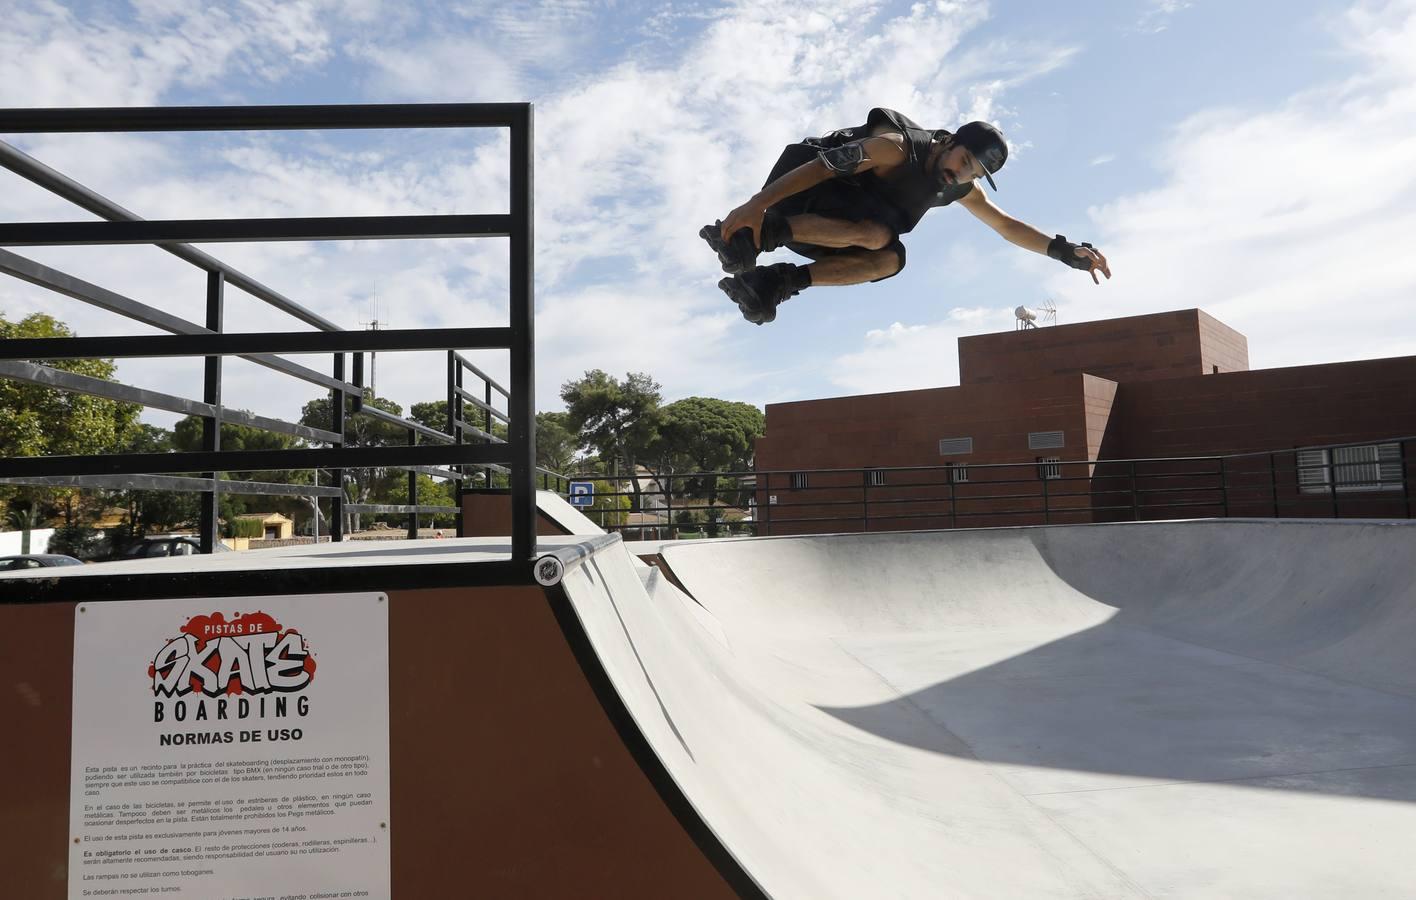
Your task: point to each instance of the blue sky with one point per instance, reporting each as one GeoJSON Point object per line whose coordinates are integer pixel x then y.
{"type": "Point", "coordinates": [1255, 159]}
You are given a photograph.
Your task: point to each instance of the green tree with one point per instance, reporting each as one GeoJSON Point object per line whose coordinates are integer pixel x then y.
{"type": "Point", "coordinates": [187, 436]}
{"type": "Point", "coordinates": [431, 492]}
{"type": "Point", "coordinates": [556, 442]}
{"type": "Point", "coordinates": [609, 507]}
{"type": "Point", "coordinates": [155, 510]}
{"type": "Point", "coordinates": [704, 434]}
{"type": "Point", "coordinates": [432, 414]}
{"type": "Point", "coordinates": [619, 420]}
{"type": "Point", "coordinates": [41, 421]}
{"type": "Point", "coordinates": [367, 484]}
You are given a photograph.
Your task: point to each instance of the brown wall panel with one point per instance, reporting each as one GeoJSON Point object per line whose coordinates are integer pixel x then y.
{"type": "Point", "coordinates": [1268, 409]}
{"type": "Point", "coordinates": [36, 702]}
{"type": "Point", "coordinates": [1159, 398]}
{"type": "Point", "coordinates": [488, 514]}
{"type": "Point", "coordinates": [1136, 348]}
{"type": "Point", "coordinates": [508, 779]}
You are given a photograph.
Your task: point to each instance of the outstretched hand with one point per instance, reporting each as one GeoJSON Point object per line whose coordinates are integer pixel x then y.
{"type": "Point", "coordinates": [749, 217]}
{"type": "Point", "coordinates": [1096, 260]}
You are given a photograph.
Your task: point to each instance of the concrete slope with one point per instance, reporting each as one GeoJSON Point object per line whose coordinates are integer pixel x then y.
{"type": "Point", "coordinates": [1217, 709]}
{"type": "Point", "coordinates": [568, 518]}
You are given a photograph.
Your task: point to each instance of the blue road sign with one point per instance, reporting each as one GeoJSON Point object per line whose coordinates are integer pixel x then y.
{"type": "Point", "coordinates": [582, 493]}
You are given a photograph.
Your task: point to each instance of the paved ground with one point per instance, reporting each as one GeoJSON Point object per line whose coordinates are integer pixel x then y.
{"type": "Point", "coordinates": [1192, 709]}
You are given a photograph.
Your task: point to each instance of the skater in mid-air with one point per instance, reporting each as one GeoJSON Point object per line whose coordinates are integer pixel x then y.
{"type": "Point", "coordinates": [845, 199]}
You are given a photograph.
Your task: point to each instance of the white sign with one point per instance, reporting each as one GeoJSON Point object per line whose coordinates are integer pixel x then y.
{"type": "Point", "coordinates": [231, 748]}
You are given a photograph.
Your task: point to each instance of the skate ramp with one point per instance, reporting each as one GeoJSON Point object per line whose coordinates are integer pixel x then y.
{"type": "Point", "coordinates": [568, 518]}
{"type": "Point", "coordinates": [1209, 708]}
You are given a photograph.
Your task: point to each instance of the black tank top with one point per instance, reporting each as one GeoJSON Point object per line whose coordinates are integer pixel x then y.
{"type": "Point", "coordinates": [908, 188]}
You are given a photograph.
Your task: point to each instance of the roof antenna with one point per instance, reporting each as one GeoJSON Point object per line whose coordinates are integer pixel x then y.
{"type": "Point", "coordinates": [374, 325]}
{"type": "Point", "coordinates": [1049, 312]}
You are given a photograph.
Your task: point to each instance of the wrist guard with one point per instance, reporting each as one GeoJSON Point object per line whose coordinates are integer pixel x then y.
{"type": "Point", "coordinates": [1063, 250]}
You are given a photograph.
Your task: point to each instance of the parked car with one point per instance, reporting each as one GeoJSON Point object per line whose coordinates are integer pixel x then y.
{"type": "Point", "coordinates": [36, 561]}
{"type": "Point", "coordinates": [166, 545]}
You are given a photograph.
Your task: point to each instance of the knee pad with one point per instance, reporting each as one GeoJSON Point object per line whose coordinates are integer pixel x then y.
{"type": "Point", "coordinates": [899, 250]}
{"type": "Point", "coordinates": [776, 231]}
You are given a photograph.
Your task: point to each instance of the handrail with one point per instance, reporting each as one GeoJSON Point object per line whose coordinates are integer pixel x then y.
{"type": "Point", "coordinates": [212, 343]}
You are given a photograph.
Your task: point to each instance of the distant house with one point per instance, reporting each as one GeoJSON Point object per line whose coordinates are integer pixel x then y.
{"type": "Point", "coordinates": [277, 527]}
{"type": "Point", "coordinates": [652, 490]}
{"type": "Point", "coordinates": [111, 517]}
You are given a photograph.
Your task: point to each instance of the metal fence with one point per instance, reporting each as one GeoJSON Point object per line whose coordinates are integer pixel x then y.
{"type": "Point", "coordinates": [442, 454]}
{"type": "Point", "coordinates": [1367, 479]}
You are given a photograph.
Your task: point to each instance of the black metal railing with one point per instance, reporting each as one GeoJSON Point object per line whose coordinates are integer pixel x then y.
{"type": "Point", "coordinates": [1276, 483]}
{"type": "Point", "coordinates": [427, 450]}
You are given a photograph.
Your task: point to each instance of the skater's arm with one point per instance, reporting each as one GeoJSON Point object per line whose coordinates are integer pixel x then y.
{"type": "Point", "coordinates": [1018, 232]}
{"type": "Point", "coordinates": [879, 154]}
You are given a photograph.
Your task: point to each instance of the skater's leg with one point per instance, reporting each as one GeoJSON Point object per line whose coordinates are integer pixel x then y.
{"type": "Point", "coordinates": [758, 292]}
{"type": "Point", "coordinates": [821, 231]}
{"type": "Point", "coordinates": [855, 267]}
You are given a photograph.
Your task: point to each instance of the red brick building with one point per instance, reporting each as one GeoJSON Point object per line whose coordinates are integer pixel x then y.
{"type": "Point", "coordinates": [1051, 418]}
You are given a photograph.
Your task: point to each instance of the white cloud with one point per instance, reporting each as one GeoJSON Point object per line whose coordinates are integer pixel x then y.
{"type": "Point", "coordinates": [1157, 15]}
{"type": "Point", "coordinates": [426, 71]}
{"type": "Point", "coordinates": [909, 357]}
{"type": "Point", "coordinates": [630, 159]}
{"type": "Point", "coordinates": [1103, 159]}
{"type": "Point", "coordinates": [1283, 223]}
{"type": "Point", "coordinates": [52, 56]}
{"type": "Point", "coordinates": [1290, 224]}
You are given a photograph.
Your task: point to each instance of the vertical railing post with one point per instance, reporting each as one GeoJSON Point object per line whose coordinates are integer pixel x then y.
{"type": "Point", "coordinates": [865, 500]}
{"type": "Point", "coordinates": [1046, 496]}
{"type": "Point", "coordinates": [522, 406]}
{"type": "Point", "coordinates": [1224, 486]}
{"type": "Point", "coordinates": [1273, 481]}
{"type": "Point", "coordinates": [1135, 497]}
{"type": "Point", "coordinates": [1332, 481]}
{"type": "Point", "coordinates": [953, 506]}
{"type": "Point", "coordinates": [669, 504]}
{"type": "Point", "coordinates": [454, 428]}
{"type": "Point", "coordinates": [452, 399]}
{"type": "Point", "coordinates": [765, 510]}
{"type": "Point", "coordinates": [1405, 483]}
{"type": "Point", "coordinates": [487, 425]}
{"type": "Point", "coordinates": [412, 491]}
{"type": "Point", "coordinates": [336, 417]}
{"type": "Point", "coordinates": [211, 425]}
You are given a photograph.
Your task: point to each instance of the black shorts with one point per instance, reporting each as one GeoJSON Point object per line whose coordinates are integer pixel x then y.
{"type": "Point", "coordinates": [838, 198]}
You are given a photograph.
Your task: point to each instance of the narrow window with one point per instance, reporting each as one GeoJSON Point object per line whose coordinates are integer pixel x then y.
{"type": "Point", "coordinates": [1049, 467]}
{"type": "Point", "coordinates": [876, 477]}
{"type": "Point", "coordinates": [798, 480]}
{"type": "Point", "coordinates": [958, 473]}
{"type": "Point", "coordinates": [1312, 466]}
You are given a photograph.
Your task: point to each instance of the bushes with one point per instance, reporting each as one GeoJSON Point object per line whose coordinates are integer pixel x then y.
{"type": "Point", "coordinates": [78, 541]}
{"type": "Point", "coordinates": [245, 528]}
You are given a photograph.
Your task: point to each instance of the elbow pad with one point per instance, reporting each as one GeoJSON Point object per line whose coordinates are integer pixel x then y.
{"type": "Point", "coordinates": [1064, 251]}
{"type": "Point", "coordinates": [845, 159]}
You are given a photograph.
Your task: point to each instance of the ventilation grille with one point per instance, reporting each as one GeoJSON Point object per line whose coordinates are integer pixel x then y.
{"type": "Point", "coordinates": [1046, 440]}
{"type": "Point", "coordinates": [955, 446]}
